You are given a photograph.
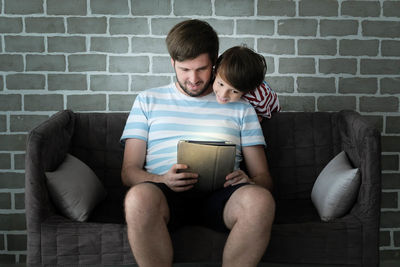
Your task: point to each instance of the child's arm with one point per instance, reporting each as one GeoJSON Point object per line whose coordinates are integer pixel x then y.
{"type": "Point", "coordinates": [264, 100]}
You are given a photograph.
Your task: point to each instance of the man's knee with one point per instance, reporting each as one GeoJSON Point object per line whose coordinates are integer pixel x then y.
{"type": "Point", "coordinates": [145, 201]}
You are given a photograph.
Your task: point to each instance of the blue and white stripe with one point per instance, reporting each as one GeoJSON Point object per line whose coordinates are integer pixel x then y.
{"type": "Point", "coordinates": [163, 116]}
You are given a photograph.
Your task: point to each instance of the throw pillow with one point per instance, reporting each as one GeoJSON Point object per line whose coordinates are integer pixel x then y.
{"type": "Point", "coordinates": [336, 188]}
{"type": "Point", "coordinates": [75, 189]}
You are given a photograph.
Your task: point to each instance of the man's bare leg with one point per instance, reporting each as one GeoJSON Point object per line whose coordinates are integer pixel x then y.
{"type": "Point", "coordinates": [147, 214]}
{"type": "Point", "coordinates": [249, 214]}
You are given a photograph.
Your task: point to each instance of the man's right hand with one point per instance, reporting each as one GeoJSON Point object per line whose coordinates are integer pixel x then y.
{"type": "Point", "coordinates": [178, 180]}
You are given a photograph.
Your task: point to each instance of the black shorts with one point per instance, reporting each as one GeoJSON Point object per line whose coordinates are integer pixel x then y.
{"type": "Point", "coordinates": [187, 208]}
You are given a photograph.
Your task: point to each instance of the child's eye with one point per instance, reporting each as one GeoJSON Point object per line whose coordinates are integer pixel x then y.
{"type": "Point", "coordinates": [235, 92]}
{"type": "Point", "coordinates": [220, 84]}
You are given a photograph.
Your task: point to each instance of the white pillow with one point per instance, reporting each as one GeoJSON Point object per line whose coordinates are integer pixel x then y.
{"type": "Point", "coordinates": [75, 188]}
{"type": "Point", "coordinates": [336, 188]}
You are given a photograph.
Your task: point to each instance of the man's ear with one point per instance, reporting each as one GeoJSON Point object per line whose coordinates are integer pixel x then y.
{"type": "Point", "coordinates": [172, 62]}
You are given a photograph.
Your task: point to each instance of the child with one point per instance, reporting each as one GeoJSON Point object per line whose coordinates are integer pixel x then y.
{"type": "Point", "coordinates": [239, 73]}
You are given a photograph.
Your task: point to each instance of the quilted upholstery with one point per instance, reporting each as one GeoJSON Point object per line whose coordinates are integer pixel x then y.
{"type": "Point", "coordinates": [299, 145]}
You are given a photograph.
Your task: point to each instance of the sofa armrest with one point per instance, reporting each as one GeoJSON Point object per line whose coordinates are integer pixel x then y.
{"type": "Point", "coordinates": [47, 146]}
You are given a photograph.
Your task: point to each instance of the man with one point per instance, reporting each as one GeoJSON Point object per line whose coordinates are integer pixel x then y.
{"type": "Point", "coordinates": [160, 198]}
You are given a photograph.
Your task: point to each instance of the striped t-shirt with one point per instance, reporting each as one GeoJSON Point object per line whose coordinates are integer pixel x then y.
{"type": "Point", "coordinates": [163, 116]}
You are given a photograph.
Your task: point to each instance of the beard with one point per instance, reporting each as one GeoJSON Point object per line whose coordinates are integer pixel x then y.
{"type": "Point", "coordinates": [184, 87]}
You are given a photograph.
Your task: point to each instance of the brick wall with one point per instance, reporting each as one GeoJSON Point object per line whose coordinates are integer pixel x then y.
{"type": "Point", "coordinates": [95, 55]}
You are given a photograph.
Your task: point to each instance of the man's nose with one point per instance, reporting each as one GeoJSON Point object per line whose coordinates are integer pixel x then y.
{"type": "Point", "coordinates": [193, 77]}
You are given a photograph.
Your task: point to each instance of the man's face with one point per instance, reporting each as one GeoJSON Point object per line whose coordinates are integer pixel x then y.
{"type": "Point", "coordinates": [194, 75]}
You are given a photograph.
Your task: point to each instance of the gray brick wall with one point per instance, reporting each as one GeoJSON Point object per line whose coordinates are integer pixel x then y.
{"type": "Point", "coordinates": [90, 55]}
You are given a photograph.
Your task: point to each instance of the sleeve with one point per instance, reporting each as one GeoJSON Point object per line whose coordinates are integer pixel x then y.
{"type": "Point", "coordinates": [137, 123]}
{"type": "Point", "coordinates": [251, 132]}
{"type": "Point", "coordinates": [264, 100]}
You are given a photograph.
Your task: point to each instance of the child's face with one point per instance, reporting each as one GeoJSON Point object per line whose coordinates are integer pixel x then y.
{"type": "Point", "coordinates": [225, 92]}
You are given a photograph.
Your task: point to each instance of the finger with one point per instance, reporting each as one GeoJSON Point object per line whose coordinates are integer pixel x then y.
{"type": "Point", "coordinates": [177, 167]}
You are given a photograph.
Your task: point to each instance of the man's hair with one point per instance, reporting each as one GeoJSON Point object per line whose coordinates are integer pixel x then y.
{"type": "Point", "coordinates": [242, 68]}
{"type": "Point", "coordinates": [191, 38]}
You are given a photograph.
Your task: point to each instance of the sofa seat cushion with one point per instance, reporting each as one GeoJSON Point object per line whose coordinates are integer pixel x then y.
{"type": "Point", "coordinates": [295, 211]}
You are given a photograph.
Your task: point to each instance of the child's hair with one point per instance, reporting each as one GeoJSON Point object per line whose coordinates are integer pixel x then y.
{"type": "Point", "coordinates": [242, 68]}
{"type": "Point", "coordinates": [190, 38]}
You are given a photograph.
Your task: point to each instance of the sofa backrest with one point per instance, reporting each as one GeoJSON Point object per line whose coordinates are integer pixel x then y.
{"type": "Point", "coordinates": [299, 145]}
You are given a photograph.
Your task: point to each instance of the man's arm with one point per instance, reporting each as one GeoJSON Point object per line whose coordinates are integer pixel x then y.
{"type": "Point", "coordinates": [257, 168]}
{"type": "Point", "coordinates": [133, 173]}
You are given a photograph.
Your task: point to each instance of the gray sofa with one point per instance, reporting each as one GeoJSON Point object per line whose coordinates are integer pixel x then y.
{"type": "Point", "coordinates": [299, 146]}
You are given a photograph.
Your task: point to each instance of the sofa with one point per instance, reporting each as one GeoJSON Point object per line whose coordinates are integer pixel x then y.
{"type": "Point", "coordinates": [299, 146]}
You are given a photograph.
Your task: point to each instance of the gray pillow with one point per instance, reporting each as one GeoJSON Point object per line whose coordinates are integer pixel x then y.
{"type": "Point", "coordinates": [336, 188]}
{"type": "Point", "coordinates": [75, 188]}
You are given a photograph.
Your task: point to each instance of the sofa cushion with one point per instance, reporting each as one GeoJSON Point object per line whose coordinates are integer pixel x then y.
{"type": "Point", "coordinates": [75, 188]}
{"type": "Point", "coordinates": [336, 188]}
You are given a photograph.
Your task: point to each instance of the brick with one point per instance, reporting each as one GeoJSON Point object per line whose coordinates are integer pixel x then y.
{"type": "Point", "coordinates": [1, 83]}
{"type": "Point", "coordinates": [23, 6]}
{"type": "Point", "coordinates": [338, 65]}
{"type": "Point", "coordinates": [255, 27]}
{"type": "Point", "coordinates": [24, 44]}
{"type": "Point", "coordinates": [87, 62]}
{"type": "Point", "coordinates": [297, 103]}
{"type": "Point", "coordinates": [109, 44]}
{"type": "Point", "coordinates": [2, 246]}
{"type": "Point", "coordinates": [389, 200]}
{"type": "Point", "coordinates": [390, 180]}
{"type": "Point", "coordinates": [12, 222]}
{"type": "Point", "coordinates": [384, 238]}
{"type": "Point", "coordinates": [132, 64]}
{"type": "Point", "coordinates": [10, 102]}
{"type": "Point", "coordinates": [118, 7]}
{"type": "Point", "coordinates": [296, 65]}
{"type": "Point", "coordinates": [16, 242]}
{"type": "Point", "coordinates": [7, 258]}
{"type": "Point", "coordinates": [338, 27]}
{"type": "Point", "coordinates": [390, 48]}
{"type": "Point", "coordinates": [390, 219]}
{"type": "Point", "coordinates": [390, 85]}
{"type": "Point", "coordinates": [19, 161]}
{"type": "Point", "coordinates": [70, 44]}
{"type": "Point", "coordinates": [192, 7]}
{"type": "Point", "coordinates": [389, 29]}
{"type": "Point", "coordinates": [25, 81]}
{"type": "Point", "coordinates": [316, 85]}
{"type": "Point", "coordinates": [109, 82]}
{"type": "Point", "coordinates": [121, 102]}
{"type": "Point", "coordinates": [379, 104]}
{"type": "Point", "coordinates": [380, 66]}
{"type": "Point", "coordinates": [5, 202]}
{"type": "Point", "coordinates": [390, 143]}
{"type": "Point", "coordinates": [19, 201]}
{"type": "Point", "coordinates": [161, 26]}
{"type": "Point", "coordinates": [228, 42]}
{"type": "Point", "coordinates": [336, 103]}
{"type": "Point", "coordinates": [270, 64]}
{"type": "Point", "coordinates": [396, 235]}
{"type": "Point", "coordinates": [149, 45]}
{"type": "Point", "coordinates": [391, 9]}
{"type": "Point", "coordinates": [142, 82]}
{"type": "Point", "coordinates": [390, 162]}
{"type": "Point", "coordinates": [358, 85]}
{"type": "Point", "coordinates": [326, 8]}
{"type": "Point", "coordinates": [393, 124]}
{"type": "Point", "coordinates": [234, 7]}
{"type": "Point", "coordinates": [361, 8]}
{"type": "Point", "coordinates": [162, 65]}
{"type": "Point", "coordinates": [358, 47]}
{"type": "Point", "coordinates": [44, 25]}
{"type": "Point", "coordinates": [10, 25]}
{"type": "Point", "coordinates": [129, 26]}
{"type": "Point", "coordinates": [5, 162]}
{"type": "Point", "coordinates": [150, 7]}
{"type": "Point", "coordinates": [12, 180]}
{"type": "Point", "coordinates": [87, 25]}
{"type": "Point", "coordinates": [222, 27]}
{"type": "Point", "coordinates": [86, 102]}
{"type": "Point", "coordinates": [70, 7]}
{"type": "Point", "coordinates": [25, 123]}
{"type": "Point", "coordinates": [281, 84]}
{"type": "Point", "coordinates": [45, 63]}
{"type": "Point", "coordinates": [53, 102]}
{"type": "Point", "coordinates": [286, 8]}
{"type": "Point", "coordinates": [67, 82]}
{"type": "Point", "coordinates": [297, 27]}
{"type": "Point", "coordinates": [11, 62]}
{"type": "Point", "coordinates": [317, 47]}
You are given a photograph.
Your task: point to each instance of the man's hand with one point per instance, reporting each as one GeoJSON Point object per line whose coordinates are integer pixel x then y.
{"type": "Point", "coordinates": [178, 180]}
{"type": "Point", "coordinates": [237, 177]}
